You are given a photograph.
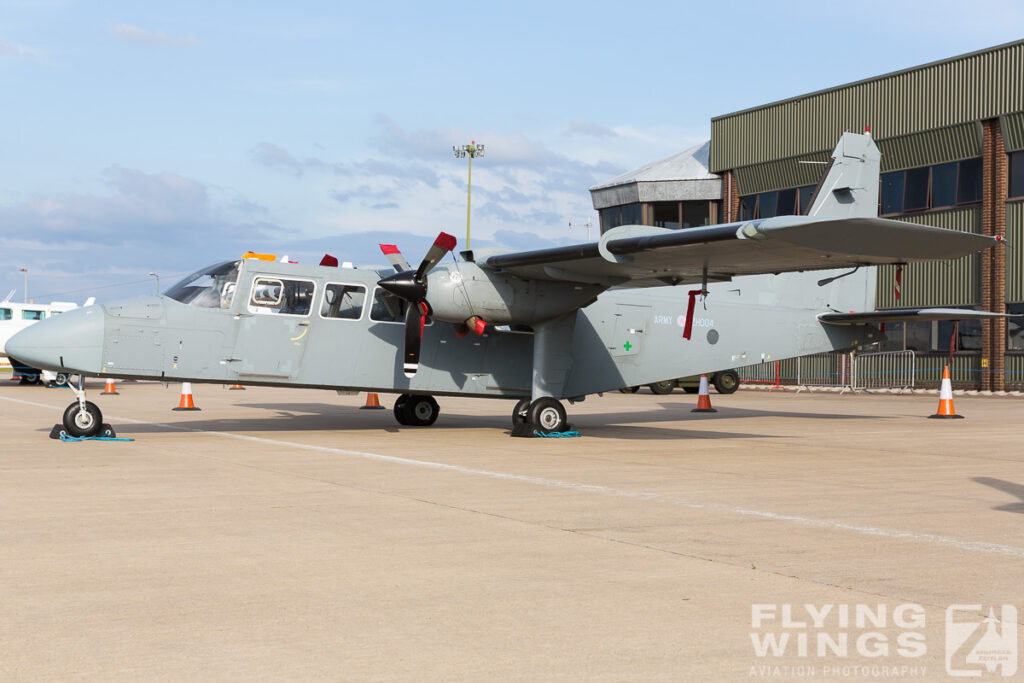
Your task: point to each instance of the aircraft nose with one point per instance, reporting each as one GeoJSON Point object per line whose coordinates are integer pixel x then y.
{"type": "Point", "coordinates": [72, 341]}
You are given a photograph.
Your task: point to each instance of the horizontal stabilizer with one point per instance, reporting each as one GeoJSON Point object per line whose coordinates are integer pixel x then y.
{"type": "Point", "coordinates": [907, 315]}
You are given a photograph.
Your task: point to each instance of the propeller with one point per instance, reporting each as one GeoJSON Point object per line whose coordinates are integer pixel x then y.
{"type": "Point", "coordinates": [412, 287]}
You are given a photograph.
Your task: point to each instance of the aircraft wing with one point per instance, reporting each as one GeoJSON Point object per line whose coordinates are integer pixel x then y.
{"type": "Point", "coordinates": [643, 256]}
{"type": "Point", "coordinates": [907, 315]}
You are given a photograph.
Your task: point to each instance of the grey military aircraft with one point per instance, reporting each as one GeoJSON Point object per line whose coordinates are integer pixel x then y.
{"type": "Point", "coordinates": [536, 326]}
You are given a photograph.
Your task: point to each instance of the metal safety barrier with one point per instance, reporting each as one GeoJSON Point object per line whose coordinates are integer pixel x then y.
{"type": "Point", "coordinates": [825, 370]}
{"type": "Point", "coordinates": [844, 371]}
{"type": "Point", "coordinates": [883, 370]}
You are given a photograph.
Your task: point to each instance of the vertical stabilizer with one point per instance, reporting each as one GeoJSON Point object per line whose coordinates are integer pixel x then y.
{"type": "Point", "coordinates": [850, 188]}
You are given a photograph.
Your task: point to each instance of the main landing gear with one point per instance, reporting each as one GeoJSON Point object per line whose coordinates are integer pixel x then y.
{"type": "Point", "coordinates": [416, 411]}
{"type": "Point", "coordinates": [82, 418]}
{"type": "Point", "coordinates": [545, 415]}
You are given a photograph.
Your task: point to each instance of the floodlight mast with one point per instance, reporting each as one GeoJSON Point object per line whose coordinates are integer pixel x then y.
{"type": "Point", "coordinates": [25, 270]}
{"type": "Point", "coordinates": [157, 282]}
{"type": "Point", "coordinates": [471, 150]}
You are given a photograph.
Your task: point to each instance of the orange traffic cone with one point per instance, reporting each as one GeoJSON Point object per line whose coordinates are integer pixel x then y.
{"type": "Point", "coordinates": [704, 398]}
{"type": "Point", "coordinates": [237, 387]}
{"type": "Point", "coordinates": [186, 402]}
{"type": "Point", "coordinates": [109, 389]}
{"type": "Point", "coordinates": [372, 402]}
{"type": "Point", "coordinates": [946, 397]}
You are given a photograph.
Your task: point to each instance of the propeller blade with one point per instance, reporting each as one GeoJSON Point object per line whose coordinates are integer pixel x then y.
{"type": "Point", "coordinates": [415, 318]}
{"type": "Point", "coordinates": [441, 246]}
{"type": "Point", "coordinates": [394, 256]}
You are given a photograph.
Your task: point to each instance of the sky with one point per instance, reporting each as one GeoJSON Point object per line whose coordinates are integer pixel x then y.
{"type": "Point", "coordinates": [158, 138]}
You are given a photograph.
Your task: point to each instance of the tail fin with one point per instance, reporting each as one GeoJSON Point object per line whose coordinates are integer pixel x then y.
{"type": "Point", "coordinates": [850, 186]}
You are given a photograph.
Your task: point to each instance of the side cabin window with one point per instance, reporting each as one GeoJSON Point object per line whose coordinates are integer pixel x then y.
{"type": "Point", "coordinates": [32, 315]}
{"type": "Point", "coordinates": [280, 295]}
{"type": "Point", "coordinates": [6, 314]}
{"type": "Point", "coordinates": [344, 302]}
{"type": "Point", "coordinates": [387, 308]}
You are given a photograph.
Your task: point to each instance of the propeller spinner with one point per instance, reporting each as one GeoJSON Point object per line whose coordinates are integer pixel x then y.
{"type": "Point", "coordinates": [412, 287]}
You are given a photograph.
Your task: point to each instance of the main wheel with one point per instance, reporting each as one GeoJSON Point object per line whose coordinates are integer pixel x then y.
{"type": "Point", "coordinates": [78, 422]}
{"type": "Point", "coordinates": [727, 381]}
{"type": "Point", "coordinates": [629, 390]}
{"type": "Point", "coordinates": [547, 415]}
{"type": "Point", "coordinates": [521, 413]}
{"type": "Point", "coordinates": [421, 411]}
{"type": "Point", "coordinates": [400, 409]}
{"type": "Point", "coordinates": [663, 387]}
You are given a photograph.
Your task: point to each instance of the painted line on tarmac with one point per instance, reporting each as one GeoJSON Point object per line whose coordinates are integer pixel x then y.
{"type": "Point", "coordinates": [827, 524]}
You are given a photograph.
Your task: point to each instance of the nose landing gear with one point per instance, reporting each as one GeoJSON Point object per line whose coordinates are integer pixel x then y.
{"type": "Point", "coordinates": [82, 419]}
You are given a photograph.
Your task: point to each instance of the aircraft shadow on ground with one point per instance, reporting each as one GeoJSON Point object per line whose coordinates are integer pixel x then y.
{"type": "Point", "coordinates": [1015, 490]}
{"type": "Point", "coordinates": [309, 416]}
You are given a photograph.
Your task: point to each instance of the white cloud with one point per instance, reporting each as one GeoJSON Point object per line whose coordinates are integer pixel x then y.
{"type": "Point", "coordinates": [136, 34]}
{"type": "Point", "coordinates": [9, 49]}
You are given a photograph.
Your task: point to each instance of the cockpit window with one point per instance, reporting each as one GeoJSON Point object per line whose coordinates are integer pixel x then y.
{"type": "Point", "coordinates": [212, 287]}
{"type": "Point", "coordinates": [6, 314]}
{"type": "Point", "coordinates": [31, 315]}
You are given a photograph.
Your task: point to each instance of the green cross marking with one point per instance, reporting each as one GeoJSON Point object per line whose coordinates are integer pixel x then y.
{"type": "Point", "coordinates": [627, 346]}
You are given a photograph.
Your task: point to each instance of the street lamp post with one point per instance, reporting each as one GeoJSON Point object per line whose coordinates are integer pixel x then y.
{"type": "Point", "coordinates": [25, 270]}
{"type": "Point", "coordinates": [471, 150]}
{"type": "Point", "coordinates": [157, 282]}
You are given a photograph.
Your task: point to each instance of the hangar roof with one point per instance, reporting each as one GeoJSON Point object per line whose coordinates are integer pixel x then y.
{"type": "Point", "coordinates": [682, 176]}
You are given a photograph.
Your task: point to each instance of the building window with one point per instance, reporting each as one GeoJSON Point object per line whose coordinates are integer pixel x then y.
{"type": "Point", "coordinates": [666, 215]}
{"type": "Point", "coordinates": [787, 202]}
{"type": "Point", "coordinates": [695, 214]}
{"type": "Point", "coordinates": [931, 187]}
{"type": "Point", "coordinates": [1016, 167]}
{"type": "Point", "coordinates": [892, 192]}
{"type": "Point", "coordinates": [747, 207]}
{"type": "Point", "coordinates": [1015, 328]}
{"type": "Point", "coordinates": [805, 192]}
{"type": "Point", "coordinates": [915, 189]}
{"type": "Point", "coordinates": [933, 336]}
{"type": "Point", "coordinates": [614, 216]}
{"type": "Point", "coordinates": [943, 185]}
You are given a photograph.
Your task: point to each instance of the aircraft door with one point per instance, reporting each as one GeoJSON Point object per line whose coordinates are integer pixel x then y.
{"type": "Point", "coordinates": [273, 329]}
{"type": "Point", "coordinates": [630, 327]}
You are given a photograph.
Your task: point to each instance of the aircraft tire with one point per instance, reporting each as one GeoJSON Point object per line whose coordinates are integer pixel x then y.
{"type": "Point", "coordinates": [663, 387]}
{"type": "Point", "coordinates": [400, 414]}
{"type": "Point", "coordinates": [548, 415]}
{"type": "Point", "coordinates": [691, 390]}
{"type": "Point", "coordinates": [61, 380]}
{"type": "Point", "coordinates": [727, 381]}
{"type": "Point", "coordinates": [80, 423]}
{"type": "Point", "coordinates": [521, 413]}
{"type": "Point", "coordinates": [629, 390]}
{"type": "Point", "coordinates": [421, 411]}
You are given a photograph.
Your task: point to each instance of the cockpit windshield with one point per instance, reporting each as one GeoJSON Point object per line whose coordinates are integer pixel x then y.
{"type": "Point", "coordinates": [212, 287]}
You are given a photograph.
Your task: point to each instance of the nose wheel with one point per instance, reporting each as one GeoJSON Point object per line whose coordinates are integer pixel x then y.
{"type": "Point", "coordinates": [82, 419]}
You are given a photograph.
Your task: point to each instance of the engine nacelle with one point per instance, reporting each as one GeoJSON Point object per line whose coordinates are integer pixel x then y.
{"type": "Point", "coordinates": [457, 293]}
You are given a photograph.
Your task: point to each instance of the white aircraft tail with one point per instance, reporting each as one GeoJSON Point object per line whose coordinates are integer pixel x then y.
{"type": "Point", "coordinates": [848, 190]}
{"type": "Point", "coordinates": [850, 186]}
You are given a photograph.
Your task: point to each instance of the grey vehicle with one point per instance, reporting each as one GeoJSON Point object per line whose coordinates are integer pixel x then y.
{"type": "Point", "coordinates": [535, 327]}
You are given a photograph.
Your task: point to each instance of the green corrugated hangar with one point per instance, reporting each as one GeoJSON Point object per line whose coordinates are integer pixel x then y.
{"type": "Point", "coordinates": [952, 140]}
